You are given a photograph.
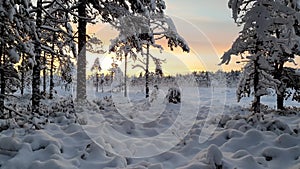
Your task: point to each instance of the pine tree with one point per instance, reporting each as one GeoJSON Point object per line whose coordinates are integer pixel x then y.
{"type": "Point", "coordinates": [142, 30]}
{"type": "Point", "coordinates": [117, 10]}
{"type": "Point", "coordinates": [268, 40]}
{"type": "Point", "coordinates": [16, 28]}
{"type": "Point", "coordinates": [53, 36]}
{"type": "Point", "coordinates": [96, 69]}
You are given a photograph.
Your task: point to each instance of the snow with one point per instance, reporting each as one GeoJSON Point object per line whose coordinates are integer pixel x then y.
{"type": "Point", "coordinates": [11, 13]}
{"type": "Point", "coordinates": [214, 157]}
{"type": "Point", "coordinates": [14, 56]}
{"type": "Point", "coordinates": [49, 28]}
{"type": "Point", "coordinates": [158, 135]}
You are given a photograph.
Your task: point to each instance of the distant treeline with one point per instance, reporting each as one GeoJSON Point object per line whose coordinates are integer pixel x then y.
{"type": "Point", "coordinates": [199, 78]}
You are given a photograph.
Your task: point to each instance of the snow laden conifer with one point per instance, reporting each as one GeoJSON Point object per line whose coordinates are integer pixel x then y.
{"type": "Point", "coordinates": [57, 39]}
{"type": "Point", "coordinates": [267, 41]}
{"type": "Point", "coordinates": [16, 31]}
{"type": "Point", "coordinates": [108, 12]}
{"type": "Point", "coordinates": [96, 68]}
{"type": "Point", "coordinates": [141, 30]}
{"type": "Point", "coordinates": [53, 35]}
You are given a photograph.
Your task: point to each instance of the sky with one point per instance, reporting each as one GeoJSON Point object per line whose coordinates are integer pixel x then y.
{"type": "Point", "coordinates": [207, 26]}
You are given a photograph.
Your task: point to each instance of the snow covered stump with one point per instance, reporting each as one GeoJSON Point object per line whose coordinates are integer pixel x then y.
{"type": "Point", "coordinates": [174, 95]}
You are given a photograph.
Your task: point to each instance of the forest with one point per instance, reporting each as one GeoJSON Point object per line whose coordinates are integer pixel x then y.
{"type": "Point", "coordinates": [57, 113]}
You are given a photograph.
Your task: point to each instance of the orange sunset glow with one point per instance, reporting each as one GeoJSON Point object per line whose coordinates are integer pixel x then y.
{"type": "Point", "coordinates": [209, 34]}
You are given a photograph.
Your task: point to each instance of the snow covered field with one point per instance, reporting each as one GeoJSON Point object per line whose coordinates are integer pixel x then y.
{"type": "Point", "coordinates": [208, 130]}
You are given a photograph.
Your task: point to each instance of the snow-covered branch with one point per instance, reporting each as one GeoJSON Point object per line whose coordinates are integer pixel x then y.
{"type": "Point", "coordinates": [138, 66]}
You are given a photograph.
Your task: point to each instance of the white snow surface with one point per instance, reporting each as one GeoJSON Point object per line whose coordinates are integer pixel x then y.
{"type": "Point", "coordinates": [239, 140]}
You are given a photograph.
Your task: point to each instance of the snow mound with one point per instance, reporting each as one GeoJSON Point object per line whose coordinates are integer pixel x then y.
{"type": "Point", "coordinates": [10, 144]}
{"type": "Point", "coordinates": [214, 157]}
{"type": "Point", "coordinates": [51, 164]}
{"type": "Point", "coordinates": [40, 140]}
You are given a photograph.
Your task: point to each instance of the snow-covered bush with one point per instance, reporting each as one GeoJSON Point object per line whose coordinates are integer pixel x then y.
{"type": "Point", "coordinates": [174, 95]}
{"type": "Point", "coordinates": [104, 103]}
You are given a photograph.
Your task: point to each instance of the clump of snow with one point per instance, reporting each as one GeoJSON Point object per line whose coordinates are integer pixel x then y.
{"type": "Point", "coordinates": [214, 157]}
{"type": "Point", "coordinates": [105, 103]}
{"type": "Point", "coordinates": [286, 140]}
{"type": "Point", "coordinates": [240, 154]}
{"type": "Point", "coordinates": [10, 144]}
{"type": "Point", "coordinates": [52, 163]}
{"type": "Point", "coordinates": [40, 140]}
{"type": "Point", "coordinates": [14, 56]}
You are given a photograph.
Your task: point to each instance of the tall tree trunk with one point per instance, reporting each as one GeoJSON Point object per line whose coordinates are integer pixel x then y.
{"type": "Point", "coordinates": [256, 102]}
{"type": "Point", "coordinates": [2, 80]}
{"type": "Point", "coordinates": [280, 102]}
{"type": "Point", "coordinates": [147, 72]}
{"type": "Point", "coordinates": [51, 85]}
{"type": "Point", "coordinates": [81, 60]}
{"type": "Point", "coordinates": [22, 75]}
{"type": "Point", "coordinates": [278, 76]}
{"type": "Point", "coordinates": [207, 80]}
{"type": "Point", "coordinates": [97, 82]}
{"type": "Point", "coordinates": [44, 73]}
{"type": "Point", "coordinates": [36, 81]}
{"type": "Point", "coordinates": [125, 77]}
{"type": "Point", "coordinates": [280, 94]}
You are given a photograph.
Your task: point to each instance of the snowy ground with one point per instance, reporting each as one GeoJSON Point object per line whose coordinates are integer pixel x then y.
{"type": "Point", "coordinates": [207, 130]}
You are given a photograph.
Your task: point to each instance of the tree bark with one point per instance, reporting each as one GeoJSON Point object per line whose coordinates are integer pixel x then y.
{"type": "Point", "coordinates": [97, 82]}
{"type": "Point", "coordinates": [2, 80]}
{"type": "Point", "coordinates": [81, 60]}
{"type": "Point", "coordinates": [280, 94]}
{"type": "Point", "coordinates": [147, 72]}
{"type": "Point", "coordinates": [256, 102]}
{"type": "Point", "coordinates": [280, 102]}
{"type": "Point", "coordinates": [36, 68]}
{"type": "Point", "coordinates": [125, 77]}
{"type": "Point", "coordinates": [51, 85]}
{"type": "Point", "coordinates": [22, 75]}
{"type": "Point", "coordinates": [44, 73]}
{"type": "Point", "coordinates": [278, 76]}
